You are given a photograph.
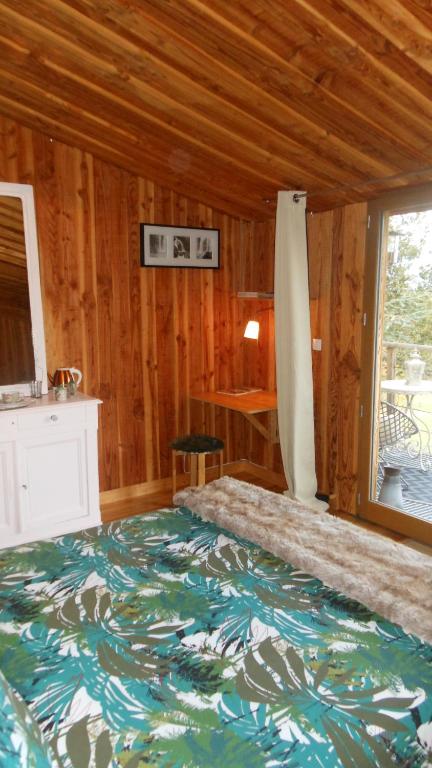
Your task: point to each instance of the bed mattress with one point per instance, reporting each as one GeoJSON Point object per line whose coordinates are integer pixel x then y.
{"type": "Point", "coordinates": [163, 640]}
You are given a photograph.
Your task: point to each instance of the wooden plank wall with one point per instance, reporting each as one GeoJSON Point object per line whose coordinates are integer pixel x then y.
{"type": "Point", "coordinates": [142, 337]}
{"type": "Point", "coordinates": [336, 241]}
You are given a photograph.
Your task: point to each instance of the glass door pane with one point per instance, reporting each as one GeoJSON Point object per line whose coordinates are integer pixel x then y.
{"type": "Point", "coordinates": [400, 475]}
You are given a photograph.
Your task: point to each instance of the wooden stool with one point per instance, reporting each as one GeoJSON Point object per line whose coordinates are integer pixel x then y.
{"type": "Point", "coordinates": [197, 447]}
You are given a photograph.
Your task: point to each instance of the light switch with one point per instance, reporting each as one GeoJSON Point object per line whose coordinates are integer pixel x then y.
{"type": "Point", "coordinates": [317, 345]}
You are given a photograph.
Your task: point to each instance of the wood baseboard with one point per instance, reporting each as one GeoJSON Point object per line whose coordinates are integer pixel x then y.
{"type": "Point", "coordinates": [265, 474]}
{"type": "Point", "coordinates": [152, 487]}
{"type": "Point", "coordinates": [134, 491]}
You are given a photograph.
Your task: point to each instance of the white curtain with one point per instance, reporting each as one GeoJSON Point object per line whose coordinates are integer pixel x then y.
{"type": "Point", "coordinates": [293, 350]}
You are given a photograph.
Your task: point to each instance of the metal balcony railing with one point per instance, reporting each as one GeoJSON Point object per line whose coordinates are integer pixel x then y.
{"type": "Point", "coordinates": [393, 365]}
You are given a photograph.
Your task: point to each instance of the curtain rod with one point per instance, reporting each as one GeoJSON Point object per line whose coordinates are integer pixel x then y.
{"type": "Point", "coordinates": [341, 188]}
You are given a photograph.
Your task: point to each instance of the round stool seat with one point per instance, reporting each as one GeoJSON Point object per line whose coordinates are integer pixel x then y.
{"type": "Point", "coordinates": [196, 447]}
{"type": "Point", "coordinates": [197, 444]}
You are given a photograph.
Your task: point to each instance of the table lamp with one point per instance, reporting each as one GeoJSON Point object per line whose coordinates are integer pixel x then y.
{"type": "Point", "coordinates": [252, 330]}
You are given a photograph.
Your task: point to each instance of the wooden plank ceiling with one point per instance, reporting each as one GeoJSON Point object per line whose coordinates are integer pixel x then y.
{"type": "Point", "coordinates": [13, 265]}
{"type": "Point", "coordinates": [228, 101]}
{"type": "Point", "coordinates": [12, 242]}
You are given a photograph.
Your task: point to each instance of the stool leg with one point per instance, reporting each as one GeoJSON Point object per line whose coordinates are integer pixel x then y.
{"type": "Point", "coordinates": [193, 468]}
{"type": "Point", "coordinates": [174, 470]}
{"type": "Point", "coordinates": [201, 469]}
{"type": "Point", "coordinates": [221, 464]}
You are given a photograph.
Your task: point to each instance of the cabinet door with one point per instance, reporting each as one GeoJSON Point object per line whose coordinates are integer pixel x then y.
{"type": "Point", "coordinates": [53, 479]}
{"type": "Point", "coordinates": [8, 524]}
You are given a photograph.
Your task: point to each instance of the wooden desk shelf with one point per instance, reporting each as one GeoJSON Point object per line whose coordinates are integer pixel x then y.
{"type": "Point", "coordinates": [249, 405]}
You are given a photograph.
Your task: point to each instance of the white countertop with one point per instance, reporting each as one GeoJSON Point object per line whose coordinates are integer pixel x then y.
{"type": "Point", "coordinates": [49, 400]}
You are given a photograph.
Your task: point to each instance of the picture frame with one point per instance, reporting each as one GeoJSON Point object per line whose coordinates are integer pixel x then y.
{"type": "Point", "coordinates": [171, 246]}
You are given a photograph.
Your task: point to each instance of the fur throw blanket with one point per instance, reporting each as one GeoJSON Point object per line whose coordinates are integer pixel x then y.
{"type": "Point", "coordinates": [387, 577]}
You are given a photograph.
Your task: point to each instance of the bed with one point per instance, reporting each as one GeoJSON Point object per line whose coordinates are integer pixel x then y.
{"type": "Point", "coordinates": [164, 640]}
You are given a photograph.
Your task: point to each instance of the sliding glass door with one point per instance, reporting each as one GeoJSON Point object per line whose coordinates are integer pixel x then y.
{"type": "Point", "coordinates": [396, 407]}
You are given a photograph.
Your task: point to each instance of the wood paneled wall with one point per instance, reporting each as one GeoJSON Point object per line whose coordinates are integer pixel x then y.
{"type": "Point", "coordinates": [142, 337]}
{"type": "Point", "coordinates": [336, 243]}
{"type": "Point", "coordinates": [145, 337]}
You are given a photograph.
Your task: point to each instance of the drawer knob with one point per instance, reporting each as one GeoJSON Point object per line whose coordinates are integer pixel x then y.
{"type": "Point", "coordinates": [54, 417]}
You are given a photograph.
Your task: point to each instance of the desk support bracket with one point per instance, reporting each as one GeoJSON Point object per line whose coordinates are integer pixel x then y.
{"type": "Point", "coordinates": [274, 427]}
{"type": "Point", "coordinates": [257, 424]}
{"type": "Point", "coordinates": [271, 435]}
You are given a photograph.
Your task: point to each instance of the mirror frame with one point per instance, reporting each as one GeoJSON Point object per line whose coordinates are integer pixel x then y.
{"type": "Point", "coordinates": [25, 193]}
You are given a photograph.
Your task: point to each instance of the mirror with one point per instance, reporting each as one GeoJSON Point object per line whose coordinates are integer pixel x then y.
{"type": "Point", "coordinates": [22, 345]}
{"type": "Point", "coordinates": [16, 350]}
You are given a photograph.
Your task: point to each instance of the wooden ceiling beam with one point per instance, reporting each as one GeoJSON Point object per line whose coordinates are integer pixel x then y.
{"type": "Point", "coordinates": [11, 236]}
{"type": "Point", "coordinates": [351, 116]}
{"type": "Point", "coordinates": [229, 102]}
{"type": "Point", "coordinates": [267, 169]}
{"type": "Point", "coordinates": [12, 240]}
{"type": "Point", "coordinates": [12, 270]}
{"type": "Point", "coordinates": [142, 126]}
{"type": "Point", "coordinates": [219, 79]}
{"type": "Point", "coordinates": [66, 127]}
{"type": "Point", "coordinates": [405, 24]}
{"type": "Point", "coordinates": [10, 255]}
{"type": "Point", "coordinates": [369, 191]}
{"type": "Point", "coordinates": [148, 156]}
{"type": "Point", "coordinates": [134, 61]}
{"type": "Point", "coordinates": [372, 26]}
{"type": "Point", "coordinates": [379, 71]}
{"type": "Point", "coordinates": [339, 50]}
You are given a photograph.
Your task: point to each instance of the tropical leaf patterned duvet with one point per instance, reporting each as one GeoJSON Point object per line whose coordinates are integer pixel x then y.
{"type": "Point", "coordinates": [164, 641]}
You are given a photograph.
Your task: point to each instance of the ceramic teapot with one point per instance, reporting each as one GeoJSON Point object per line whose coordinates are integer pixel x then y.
{"type": "Point", "coordinates": [63, 377]}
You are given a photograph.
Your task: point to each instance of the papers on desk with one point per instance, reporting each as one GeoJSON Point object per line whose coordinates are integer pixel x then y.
{"type": "Point", "coordinates": [239, 390]}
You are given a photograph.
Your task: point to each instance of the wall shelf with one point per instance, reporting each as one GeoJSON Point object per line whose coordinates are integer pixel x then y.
{"type": "Point", "coordinates": [255, 295]}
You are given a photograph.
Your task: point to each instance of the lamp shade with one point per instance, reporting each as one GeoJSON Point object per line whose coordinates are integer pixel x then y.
{"type": "Point", "coordinates": [251, 330]}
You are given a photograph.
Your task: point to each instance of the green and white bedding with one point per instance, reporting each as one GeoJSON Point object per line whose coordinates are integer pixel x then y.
{"type": "Point", "coordinates": [164, 641]}
{"type": "Point", "coordinates": [21, 740]}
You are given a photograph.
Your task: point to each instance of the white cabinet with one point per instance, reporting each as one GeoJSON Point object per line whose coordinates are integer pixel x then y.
{"type": "Point", "coordinates": [48, 469]}
{"type": "Point", "coordinates": [53, 468]}
{"type": "Point", "coordinates": [8, 521]}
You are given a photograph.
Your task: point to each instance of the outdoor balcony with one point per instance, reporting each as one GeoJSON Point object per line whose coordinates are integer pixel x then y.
{"type": "Point", "coordinates": [411, 453]}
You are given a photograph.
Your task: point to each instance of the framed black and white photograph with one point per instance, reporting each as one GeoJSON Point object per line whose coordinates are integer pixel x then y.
{"type": "Point", "coordinates": [167, 246]}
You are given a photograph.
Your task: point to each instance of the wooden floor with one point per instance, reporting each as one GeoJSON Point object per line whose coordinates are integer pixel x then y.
{"type": "Point", "coordinates": [148, 503]}
{"type": "Point", "coordinates": [137, 506]}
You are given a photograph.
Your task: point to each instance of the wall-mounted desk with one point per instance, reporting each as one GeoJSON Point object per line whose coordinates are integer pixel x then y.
{"type": "Point", "coordinates": [249, 404]}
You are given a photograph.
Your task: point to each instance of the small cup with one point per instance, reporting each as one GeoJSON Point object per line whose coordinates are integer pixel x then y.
{"type": "Point", "coordinates": [36, 388]}
{"type": "Point", "coordinates": [11, 397]}
{"type": "Point", "coordinates": [61, 393]}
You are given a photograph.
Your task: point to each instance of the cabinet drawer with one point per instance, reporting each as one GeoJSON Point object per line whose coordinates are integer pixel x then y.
{"type": "Point", "coordinates": [55, 418]}
{"type": "Point", "coordinates": [8, 422]}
